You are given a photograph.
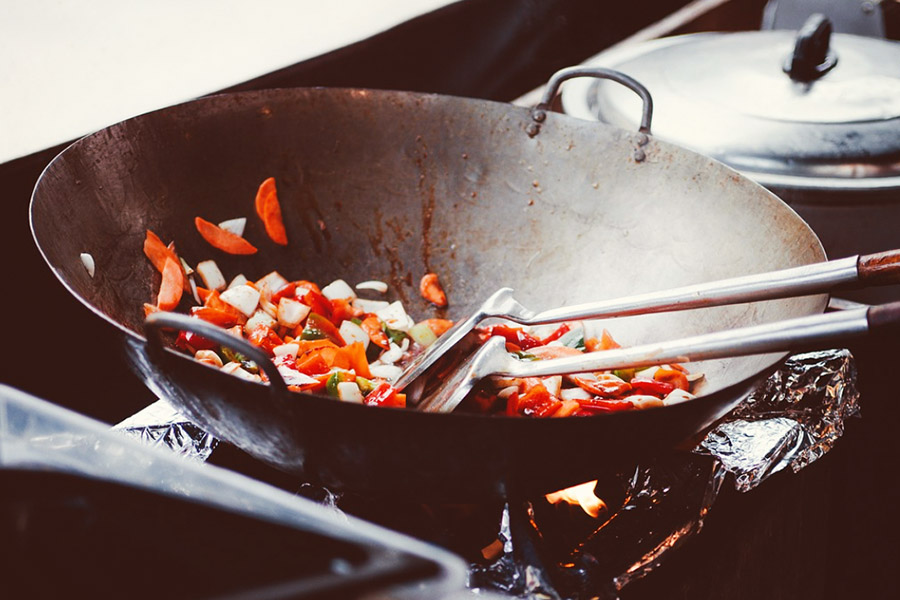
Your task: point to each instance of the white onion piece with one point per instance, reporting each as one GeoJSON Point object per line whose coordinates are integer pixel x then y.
{"type": "Point", "coordinates": [88, 261]}
{"type": "Point", "coordinates": [288, 350]}
{"type": "Point", "coordinates": [238, 280]}
{"type": "Point", "coordinates": [378, 286]}
{"type": "Point", "coordinates": [211, 275]}
{"type": "Point", "coordinates": [391, 356]}
{"type": "Point", "coordinates": [388, 372]}
{"type": "Point", "coordinates": [677, 396]}
{"type": "Point", "coordinates": [194, 291]}
{"type": "Point", "coordinates": [422, 334]}
{"type": "Point", "coordinates": [245, 298]}
{"type": "Point", "coordinates": [293, 376]}
{"type": "Point", "coordinates": [338, 290]}
{"type": "Point", "coordinates": [235, 226]}
{"type": "Point", "coordinates": [647, 373]}
{"type": "Point", "coordinates": [260, 317]}
{"type": "Point", "coordinates": [369, 306]}
{"type": "Point", "coordinates": [273, 282]}
{"type": "Point", "coordinates": [291, 312]}
{"type": "Point", "coordinates": [643, 401]}
{"type": "Point", "coordinates": [553, 384]}
{"type": "Point", "coordinates": [575, 393]}
{"type": "Point", "coordinates": [395, 317]}
{"type": "Point", "coordinates": [348, 391]}
{"type": "Point", "coordinates": [351, 332]}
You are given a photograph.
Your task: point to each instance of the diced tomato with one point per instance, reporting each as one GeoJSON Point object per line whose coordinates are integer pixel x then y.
{"type": "Point", "coordinates": [192, 342]}
{"type": "Point", "coordinates": [651, 387]}
{"type": "Point", "coordinates": [344, 311]}
{"type": "Point", "coordinates": [384, 395]}
{"type": "Point", "coordinates": [596, 405]}
{"type": "Point", "coordinates": [560, 331]}
{"type": "Point", "coordinates": [515, 335]}
{"type": "Point", "coordinates": [318, 304]}
{"type": "Point", "coordinates": [265, 339]}
{"type": "Point", "coordinates": [604, 385]}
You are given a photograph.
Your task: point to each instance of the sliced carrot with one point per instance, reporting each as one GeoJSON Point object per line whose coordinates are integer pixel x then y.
{"type": "Point", "coordinates": [269, 210]}
{"type": "Point", "coordinates": [673, 376]}
{"type": "Point", "coordinates": [355, 354]}
{"type": "Point", "coordinates": [606, 342]}
{"type": "Point", "coordinates": [439, 326]}
{"type": "Point", "coordinates": [223, 240]}
{"type": "Point", "coordinates": [217, 316]}
{"type": "Point", "coordinates": [372, 326]}
{"type": "Point", "coordinates": [431, 290]}
{"type": "Point", "coordinates": [157, 252]}
{"type": "Point", "coordinates": [149, 309]}
{"type": "Point", "coordinates": [172, 285]}
{"type": "Point", "coordinates": [203, 293]}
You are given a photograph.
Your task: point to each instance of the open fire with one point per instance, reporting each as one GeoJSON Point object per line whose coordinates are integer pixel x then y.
{"type": "Point", "coordinates": [581, 495]}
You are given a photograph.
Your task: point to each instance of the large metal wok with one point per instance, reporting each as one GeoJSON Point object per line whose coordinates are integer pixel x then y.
{"type": "Point", "coordinates": [390, 185]}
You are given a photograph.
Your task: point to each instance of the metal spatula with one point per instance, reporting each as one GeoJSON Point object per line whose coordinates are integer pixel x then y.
{"type": "Point", "coordinates": [873, 269]}
{"type": "Point", "coordinates": [790, 335]}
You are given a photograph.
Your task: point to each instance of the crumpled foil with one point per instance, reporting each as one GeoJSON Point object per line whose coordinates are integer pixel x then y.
{"type": "Point", "coordinates": [792, 419]}
{"type": "Point", "coordinates": [554, 552]}
{"type": "Point", "coordinates": [161, 425]}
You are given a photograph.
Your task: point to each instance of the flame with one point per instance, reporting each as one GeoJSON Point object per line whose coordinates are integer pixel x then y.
{"type": "Point", "coordinates": [582, 495]}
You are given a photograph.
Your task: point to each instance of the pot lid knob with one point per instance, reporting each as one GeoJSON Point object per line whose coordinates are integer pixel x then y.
{"type": "Point", "coordinates": [812, 56]}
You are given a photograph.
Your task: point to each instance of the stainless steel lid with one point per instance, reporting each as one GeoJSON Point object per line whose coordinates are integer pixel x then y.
{"type": "Point", "coordinates": [728, 95]}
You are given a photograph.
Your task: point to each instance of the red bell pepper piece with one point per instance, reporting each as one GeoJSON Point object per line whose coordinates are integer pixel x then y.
{"type": "Point", "coordinates": [651, 387]}
{"type": "Point", "coordinates": [385, 395]}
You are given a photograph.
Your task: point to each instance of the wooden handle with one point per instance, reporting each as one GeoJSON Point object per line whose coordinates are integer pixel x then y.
{"type": "Point", "coordinates": [879, 269]}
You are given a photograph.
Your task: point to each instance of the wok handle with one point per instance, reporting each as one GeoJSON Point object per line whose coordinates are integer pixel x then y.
{"type": "Point", "coordinates": [882, 268]}
{"type": "Point", "coordinates": [156, 322]}
{"type": "Point", "coordinates": [540, 111]}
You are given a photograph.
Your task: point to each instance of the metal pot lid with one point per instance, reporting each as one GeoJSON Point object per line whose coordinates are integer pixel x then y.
{"type": "Point", "coordinates": [834, 123]}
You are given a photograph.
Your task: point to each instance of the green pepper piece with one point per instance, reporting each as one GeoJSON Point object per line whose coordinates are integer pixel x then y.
{"type": "Point", "coordinates": [624, 374]}
{"type": "Point", "coordinates": [396, 336]}
{"type": "Point", "coordinates": [365, 385]}
{"type": "Point", "coordinates": [311, 333]}
{"type": "Point", "coordinates": [332, 383]}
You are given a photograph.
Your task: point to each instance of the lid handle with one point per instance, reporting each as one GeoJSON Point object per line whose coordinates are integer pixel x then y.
{"type": "Point", "coordinates": [812, 56]}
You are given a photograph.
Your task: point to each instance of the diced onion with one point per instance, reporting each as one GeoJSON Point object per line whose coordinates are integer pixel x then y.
{"type": "Point", "coordinates": [235, 226]}
{"type": "Point", "coordinates": [238, 280]}
{"type": "Point", "coordinates": [291, 312]}
{"type": "Point", "coordinates": [369, 306]}
{"type": "Point", "coordinates": [422, 334]}
{"type": "Point", "coordinates": [289, 350]}
{"type": "Point", "coordinates": [258, 318]}
{"type": "Point", "coordinates": [395, 317]}
{"type": "Point", "coordinates": [88, 261]}
{"type": "Point", "coordinates": [245, 298]}
{"type": "Point", "coordinates": [273, 281]}
{"type": "Point", "coordinates": [553, 384]}
{"type": "Point", "coordinates": [338, 290]}
{"type": "Point", "coordinates": [677, 396]}
{"type": "Point", "coordinates": [378, 286]}
{"type": "Point", "coordinates": [575, 393]}
{"type": "Point", "coordinates": [389, 372]}
{"type": "Point", "coordinates": [348, 391]}
{"type": "Point", "coordinates": [351, 332]}
{"type": "Point", "coordinates": [211, 275]}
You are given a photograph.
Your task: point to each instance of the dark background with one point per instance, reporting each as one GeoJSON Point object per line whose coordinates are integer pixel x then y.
{"type": "Point", "coordinates": [830, 531]}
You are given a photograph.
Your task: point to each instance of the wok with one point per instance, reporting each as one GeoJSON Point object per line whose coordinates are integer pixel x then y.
{"type": "Point", "coordinates": [389, 185]}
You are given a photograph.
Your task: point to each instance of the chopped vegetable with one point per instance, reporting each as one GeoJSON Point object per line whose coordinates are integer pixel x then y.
{"type": "Point", "coordinates": [222, 239]}
{"type": "Point", "coordinates": [269, 210]}
{"type": "Point", "coordinates": [172, 286]}
{"type": "Point", "coordinates": [235, 226]}
{"type": "Point", "coordinates": [378, 286]}
{"type": "Point", "coordinates": [211, 275]}
{"type": "Point", "coordinates": [88, 261]}
{"type": "Point", "coordinates": [431, 290]}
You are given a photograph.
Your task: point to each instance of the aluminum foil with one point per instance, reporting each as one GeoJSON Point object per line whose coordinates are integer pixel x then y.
{"type": "Point", "coordinates": [160, 425]}
{"type": "Point", "coordinates": [791, 420]}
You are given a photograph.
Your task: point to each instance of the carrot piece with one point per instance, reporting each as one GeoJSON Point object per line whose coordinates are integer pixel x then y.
{"type": "Point", "coordinates": [203, 293]}
{"type": "Point", "coordinates": [269, 210]}
{"type": "Point", "coordinates": [157, 252]}
{"type": "Point", "coordinates": [217, 316]}
{"type": "Point", "coordinates": [223, 240]}
{"type": "Point", "coordinates": [372, 325]}
{"type": "Point", "coordinates": [431, 290]}
{"type": "Point", "coordinates": [439, 326]}
{"type": "Point", "coordinates": [355, 355]}
{"type": "Point", "coordinates": [149, 309]}
{"type": "Point", "coordinates": [673, 376]}
{"type": "Point", "coordinates": [172, 285]}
